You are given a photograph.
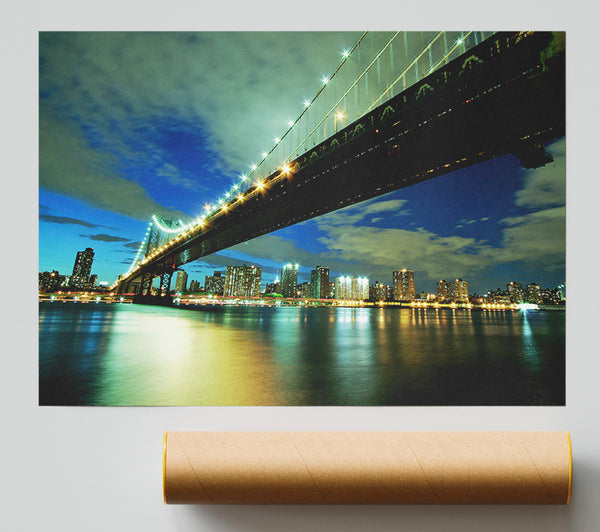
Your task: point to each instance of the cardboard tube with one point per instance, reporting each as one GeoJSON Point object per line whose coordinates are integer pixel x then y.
{"type": "Point", "coordinates": [367, 467]}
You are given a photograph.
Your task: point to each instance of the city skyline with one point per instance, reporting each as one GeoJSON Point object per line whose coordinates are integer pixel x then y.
{"type": "Point", "coordinates": [246, 281]}
{"type": "Point", "coordinates": [486, 223]}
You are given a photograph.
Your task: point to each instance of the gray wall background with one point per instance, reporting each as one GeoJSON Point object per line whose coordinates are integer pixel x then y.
{"type": "Point", "coordinates": [88, 469]}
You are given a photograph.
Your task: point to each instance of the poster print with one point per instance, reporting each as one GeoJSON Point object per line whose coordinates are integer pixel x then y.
{"type": "Point", "coordinates": [337, 218]}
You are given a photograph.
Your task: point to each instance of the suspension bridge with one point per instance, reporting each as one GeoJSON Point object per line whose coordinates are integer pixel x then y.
{"type": "Point", "coordinates": [405, 113]}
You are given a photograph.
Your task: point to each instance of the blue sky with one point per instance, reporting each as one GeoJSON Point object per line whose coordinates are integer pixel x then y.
{"type": "Point", "coordinates": [133, 124]}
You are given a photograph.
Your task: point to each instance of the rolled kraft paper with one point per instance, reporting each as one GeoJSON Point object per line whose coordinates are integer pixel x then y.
{"type": "Point", "coordinates": [367, 467]}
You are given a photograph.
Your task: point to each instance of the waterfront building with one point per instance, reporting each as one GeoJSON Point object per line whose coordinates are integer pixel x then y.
{"type": "Point", "coordinates": [460, 291]}
{"type": "Point", "coordinates": [533, 294]}
{"type": "Point", "coordinates": [498, 296]}
{"type": "Point", "coordinates": [444, 291]}
{"type": "Point", "coordinates": [93, 283]}
{"type": "Point", "coordinates": [551, 296]}
{"type": "Point", "coordinates": [181, 281]}
{"type": "Point", "coordinates": [319, 283]}
{"type": "Point", "coordinates": [214, 284]}
{"type": "Point", "coordinates": [289, 280]}
{"type": "Point", "coordinates": [273, 288]}
{"type": "Point", "coordinates": [242, 281]}
{"type": "Point", "coordinates": [515, 291]}
{"type": "Point", "coordinates": [562, 288]}
{"type": "Point", "coordinates": [352, 288]}
{"type": "Point", "coordinates": [194, 286]}
{"type": "Point", "coordinates": [305, 290]}
{"type": "Point", "coordinates": [82, 268]}
{"type": "Point", "coordinates": [50, 281]}
{"type": "Point", "coordinates": [404, 285]}
{"type": "Point", "coordinates": [343, 286]}
{"type": "Point", "coordinates": [381, 292]}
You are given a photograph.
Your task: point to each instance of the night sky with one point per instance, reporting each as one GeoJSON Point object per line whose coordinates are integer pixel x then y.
{"type": "Point", "coordinates": [135, 124]}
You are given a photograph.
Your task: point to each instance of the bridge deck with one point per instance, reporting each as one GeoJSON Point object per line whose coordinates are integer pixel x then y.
{"type": "Point", "coordinates": [506, 95]}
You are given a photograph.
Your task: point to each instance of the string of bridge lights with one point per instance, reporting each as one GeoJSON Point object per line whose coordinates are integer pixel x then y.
{"type": "Point", "coordinates": [221, 205]}
{"type": "Point", "coordinates": [236, 190]}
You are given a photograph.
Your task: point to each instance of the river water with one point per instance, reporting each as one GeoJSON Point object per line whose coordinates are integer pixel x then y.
{"type": "Point", "coordinates": [123, 354]}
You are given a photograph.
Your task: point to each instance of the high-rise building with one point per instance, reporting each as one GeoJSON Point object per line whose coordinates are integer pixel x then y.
{"type": "Point", "coordinates": [343, 287]}
{"type": "Point", "coordinates": [82, 268]}
{"type": "Point", "coordinates": [498, 296]}
{"type": "Point", "coordinates": [194, 286]}
{"type": "Point", "coordinates": [304, 289]}
{"type": "Point", "coordinates": [551, 296]}
{"type": "Point", "coordinates": [319, 283]}
{"type": "Point", "coordinates": [533, 294]}
{"type": "Point", "coordinates": [50, 281]}
{"type": "Point", "coordinates": [444, 290]}
{"type": "Point", "coordinates": [242, 281]}
{"type": "Point", "coordinates": [93, 283]}
{"type": "Point", "coordinates": [460, 291]}
{"type": "Point", "coordinates": [352, 288]}
{"type": "Point", "coordinates": [181, 281]}
{"type": "Point", "coordinates": [360, 288]}
{"type": "Point", "coordinates": [289, 280]}
{"type": "Point", "coordinates": [381, 292]}
{"type": "Point", "coordinates": [404, 285]}
{"type": "Point", "coordinates": [214, 284]}
{"type": "Point", "coordinates": [515, 292]}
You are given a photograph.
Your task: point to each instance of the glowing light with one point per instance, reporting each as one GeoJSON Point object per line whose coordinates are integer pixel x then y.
{"type": "Point", "coordinates": [339, 115]}
{"type": "Point", "coordinates": [286, 169]}
{"type": "Point", "coordinates": [240, 197]}
{"type": "Point", "coordinates": [325, 80]}
{"type": "Point", "coordinates": [460, 41]}
{"type": "Point", "coordinates": [253, 167]}
{"type": "Point", "coordinates": [235, 186]}
{"type": "Point", "coordinates": [228, 194]}
{"type": "Point", "coordinates": [345, 53]}
{"type": "Point", "coordinates": [260, 185]}
{"type": "Point", "coordinates": [264, 154]}
{"type": "Point", "coordinates": [290, 123]}
{"type": "Point", "coordinates": [277, 140]}
{"type": "Point", "coordinates": [527, 306]}
{"type": "Point", "coordinates": [244, 177]}
{"type": "Point", "coordinates": [306, 103]}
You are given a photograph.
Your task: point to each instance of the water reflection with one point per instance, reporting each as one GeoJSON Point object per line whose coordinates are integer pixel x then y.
{"type": "Point", "coordinates": [138, 355]}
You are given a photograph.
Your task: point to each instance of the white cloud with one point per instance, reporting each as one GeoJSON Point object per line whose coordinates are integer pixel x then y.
{"type": "Point", "coordinates": [545, 186]}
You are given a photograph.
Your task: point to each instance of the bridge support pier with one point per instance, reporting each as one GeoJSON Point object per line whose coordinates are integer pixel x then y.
{"type": "Point", "coordinates": [165, 284]}
{"type": "Point", "coordinates": [144, 295]}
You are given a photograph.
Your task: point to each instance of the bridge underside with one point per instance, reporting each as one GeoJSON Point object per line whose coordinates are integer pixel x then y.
{"type": "Point", "coordinates": [507, 95]}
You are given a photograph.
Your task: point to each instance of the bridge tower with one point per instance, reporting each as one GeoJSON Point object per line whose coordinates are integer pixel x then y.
{"type": "Point", "coordinates": [161, 231]}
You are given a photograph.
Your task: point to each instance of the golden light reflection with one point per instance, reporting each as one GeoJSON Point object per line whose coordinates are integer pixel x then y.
{"type": "Point", "coordinates": [185, 361]}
